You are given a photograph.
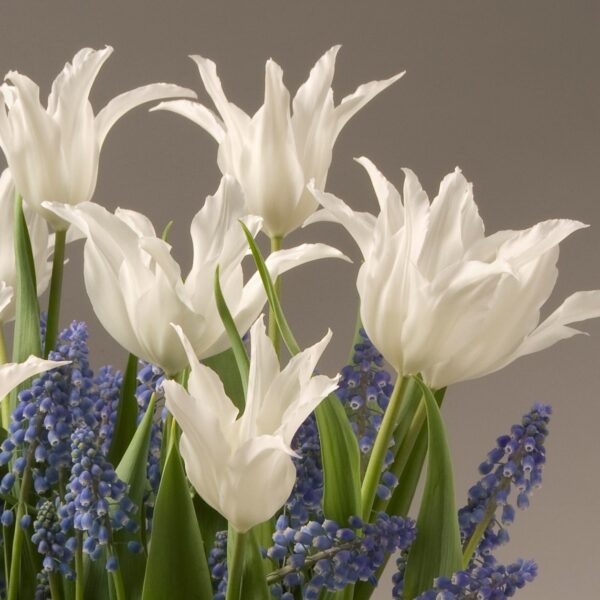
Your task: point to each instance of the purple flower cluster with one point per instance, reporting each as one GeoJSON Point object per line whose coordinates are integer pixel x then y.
{"type": "Point", "coordinates": [322, 555]}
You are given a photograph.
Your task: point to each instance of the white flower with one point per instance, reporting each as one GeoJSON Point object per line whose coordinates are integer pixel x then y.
{"type": "Point", "coordinates": [12, 374]}
{"type": "Point", "coordinates": [53, 152]}
{"type": "Point", "coordinates": [135, 285]}
{"type": "Point", "coordinates": [243, 466]}
{"type": "Point", "coordinates": [274, 154]}
{"type": "Point", "coordinates": [41, 246]}
{"type": "Point", "coordinates": [441, 299]}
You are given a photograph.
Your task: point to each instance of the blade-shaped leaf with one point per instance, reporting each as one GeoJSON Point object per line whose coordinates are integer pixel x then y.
{"type": "Point", "coordinates": [127, 410]}
{"type": "Point", "coordinates": [176, 566]}
{"type": "Point", "coordinates": [340, 454]}
{"type": "Point", "coordinates": [27, 338]}
{"type": "Point", "coordinates": [437, 550]}
{"type": "Point", "coordinates": [132, 470]}
{"type": "Point", "coordinates": [239, 351]}
{"type": "Point", "coordinates": [209, 520]}
{"type": "Point", "coordinates": [225, 366]}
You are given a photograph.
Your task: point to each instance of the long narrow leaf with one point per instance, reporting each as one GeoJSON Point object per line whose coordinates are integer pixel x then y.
{"type": "Point", "coordinates": [340, 454]}
{"type": "Point", "coordinates": [27, 338]}
{"type": "Point", "coordinates": [127, 411]}
{"type": "Point", "coordinates": [235, 340]}
{"type": "Point", "coordinates": [176, 566]}
{"type": "Point", "coordinates": [437, 550]}
{"type": "Point", "coordinates": [132, 470]}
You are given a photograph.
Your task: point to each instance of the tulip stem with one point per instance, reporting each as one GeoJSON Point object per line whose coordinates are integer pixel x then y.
{"type": "Point", "coordinates": [3, 359]}
{"type": "Point", "coordinates": [382, 442]}
{"type": "Point", "coordinates": [52, 319]}
{"type": "Point", "coordinates": [236, 566]}
{"type": "Point", "coordinates": [273, 328]}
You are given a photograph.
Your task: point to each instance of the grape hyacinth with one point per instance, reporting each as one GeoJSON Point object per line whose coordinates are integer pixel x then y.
{"type": "Point", "coordinates": [516, 462]}
{"type": "Point", "coordinates": [486, 582]}
{"type": "Point", "coordinates": [97, 501]}
{"type": "Point", "coordinates": [324, 555]}
{"type": "Point", "coordinates": [217, 563]}
{"type": "Point", "coordinates": [56, 404]}
{"type": "Point", "coordinates": [305, 501]}
{"type": "Point", "coordinates": [364, 389]}
{"type": "Point", "coordinates": [52, 541]}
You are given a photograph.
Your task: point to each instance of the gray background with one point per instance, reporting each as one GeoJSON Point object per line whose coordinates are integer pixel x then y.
{"type": "Point", "coordinates": [507, 90]}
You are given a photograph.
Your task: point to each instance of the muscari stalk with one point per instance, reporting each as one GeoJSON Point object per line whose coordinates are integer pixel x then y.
{"type": "Point", "coordinates": [382, 442]}
{"type": "Point", "coordinates": [5, 414]}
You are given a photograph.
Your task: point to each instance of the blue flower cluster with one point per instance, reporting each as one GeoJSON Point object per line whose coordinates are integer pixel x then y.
{"type": "Point", "coordinates": [217, 563]}
{"type": "Point", "coordinates": [51, 541]}
{"type": "Point", "coordinates": [324, 555]}
{"type": "Point", "coordinates": [150, 378]}
{"type": "Point", "coordinates": [486, 582]}
{"type": "Point", "coordinates": [364, 389]}
{"type": "Point", "coordinates": [516, 462]}
{"type": "Point", "coordinates": [305, 501]}
{"type": "Point", "coordinates": [57, 403]}
{"type": "Point", "coordinates": [97, 501]}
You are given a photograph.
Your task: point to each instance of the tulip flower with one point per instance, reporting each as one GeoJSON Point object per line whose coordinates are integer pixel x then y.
{"type": "Point", "coordinates": [242, 465]}
{"type": "Point", "coordinates": [41, 246]}
{"type": "Point", "coordinates": [12, 374]}
{"type": "Point", "coordinates": [275, 153]}
{"type": "Point", "coordinates": [53, 152]}
{"type": "Point", "coordinates": [440, 298]}
{"type": "Point", "coordinates": [136, 288]}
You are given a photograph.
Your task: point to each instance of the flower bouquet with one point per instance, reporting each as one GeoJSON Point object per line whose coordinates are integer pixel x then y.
{"type": "Point", "coordinates": [220, 463]}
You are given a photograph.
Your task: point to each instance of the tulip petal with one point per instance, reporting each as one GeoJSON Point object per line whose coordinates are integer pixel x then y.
{"type": "Point", "coordinates": [364, 93]}
{"type": "Point", "coordinates": [360, 225]}
{"type": "Point", "coordinates": [245, 503]}
{"type": "Point", "coordinates": [125, 102]}
{"type": "Point", "coordinates": [12, 374]}
{"type": "Point", "coordinates": [198, 113]}
{"type": "Point", "coordinates": [580, 306]}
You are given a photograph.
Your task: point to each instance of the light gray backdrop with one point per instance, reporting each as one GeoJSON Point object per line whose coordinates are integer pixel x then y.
{"type": "Point", "coordinates": [507, 90]}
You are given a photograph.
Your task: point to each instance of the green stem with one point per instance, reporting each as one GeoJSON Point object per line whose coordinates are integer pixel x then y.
{"type": "Point", "coordinates": [273, 329]}
{"type": "Point", "coordinates": [117, 578]}
{"type": "Point", "coordinates": [5, 414]}
{"type": "Point", "coordinates": [6, 554]}
{"type": "Point", "coordinates": [15, 563]}
{"type": "Point", "coordinates": [55, 588]}
{"type": "Point", "coordinates": [79, 569]}
{"type": "Point", "coordinates": [58, 261]}
{"type": "Point", "coordinates": [236, 566]}
{"type": "Point", "coordinates": [474, 540]}
{"type": "Point", "coordinates": [382, 442]}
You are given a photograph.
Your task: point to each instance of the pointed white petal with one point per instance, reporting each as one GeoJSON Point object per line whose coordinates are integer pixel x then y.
{"type": "Point", "coordinates": [125, 102]}
{"type": "Point", "coordinates": [360, 225]}
{"type": "Point", "coordinates": [580, 306]}
{"type": "Point", "coordinates": [12, 374]}
{"type": "Point", "coordinates": [196, 112]}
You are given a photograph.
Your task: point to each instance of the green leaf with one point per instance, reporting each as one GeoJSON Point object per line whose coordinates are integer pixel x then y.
{"type": "Point", "coordinates": [26, 339]}
{"type": "Point", "coordinates": [437, 550]}
{"type": "Point", "coordinates": [225, 366]}
{"type": "Point", "coordinates": [132, 470]}
{"type": "Point", "coordinates": [176, 566]}
{"type": "Point", "coordinates": [127, 412]}
{"type": "Point", "coordinates": [340, 456]}
{"type": "Point", "coordinates": [209, 520]}
{"type": "Point", "coordinates": [339, 447]}
{"type": "Point", "coordinates": [272, 296]}
{"type": "Point", "coordinates": [254, 583]}
{"type": "Point", "coordinates": [239, 351]}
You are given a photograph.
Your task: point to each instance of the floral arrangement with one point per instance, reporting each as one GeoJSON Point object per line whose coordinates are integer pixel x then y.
{"type": "Point", "coordinates": [220, 463]}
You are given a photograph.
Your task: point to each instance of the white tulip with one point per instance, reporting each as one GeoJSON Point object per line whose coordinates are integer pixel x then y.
{"type": "Point", "coordinates": [275, 153]}
{"type": "Point", "coordinates": [136, 288]}
{"type": "Point", "coordinates": [12, 374]}
{"type": "Point", "coordinates": [41, 246]}
{"type": "Point", "coordinates": [243, 466]}
{"type": "Point", "coordinates": [53, 152]}
{"type": "Point", "coordinates": [440, 298]}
